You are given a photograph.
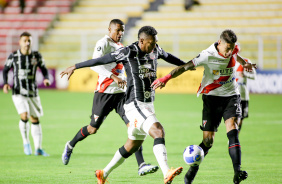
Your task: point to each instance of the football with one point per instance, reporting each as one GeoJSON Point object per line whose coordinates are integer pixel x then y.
{"type": "Point", "coordinates": [193, 155]}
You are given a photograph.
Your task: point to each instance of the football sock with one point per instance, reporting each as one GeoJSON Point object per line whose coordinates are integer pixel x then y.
{"type": "Point", "coordinates": [159, 150]}
{"type": "Point", "coordinates": [24, 129]}
{"type": "Point", "coordinates": [36, 133]}
{"type": "Point", "coordinates": [234, 149]}
{"type": "Point", "coordinates": [81, 134]}
{"type": "Point", "coordinates": [205, 148]}
{"type": "Point", "coordinates": [117, 160]}
{"type": "Point", "coordinates": [139, 157]}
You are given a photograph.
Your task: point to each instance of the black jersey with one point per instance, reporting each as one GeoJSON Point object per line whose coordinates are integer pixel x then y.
{"type": "Point", "coordinates": [24, 71]}
{"type": "Point", "coordinates": [140, 69]}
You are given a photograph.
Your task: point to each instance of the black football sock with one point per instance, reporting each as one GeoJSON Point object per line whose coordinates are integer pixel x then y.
{"type": "Point", "coordinates": [192, 172]}
{"type": "Point", "coordinates": [81, 134]}
{"type": "Point", "coordinates": [139, 157]}
{"type": "Point", "coordinates": [205, 148]}
{"type": "Point", "coordinates": [234, 149]}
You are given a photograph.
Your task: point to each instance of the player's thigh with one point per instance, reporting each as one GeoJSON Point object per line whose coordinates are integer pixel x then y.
{"type": "Point", "coordinates": [212, 113]}
{"type": "Point", "coordinates": [35, 107]}
{"type": "Point", "coordinates": [245, 108]}
{"type": "Point", "coordinates": [102, 106]}
{"type": "Point", "coordinates": [21, 104]}
{"type": "Point", "coordinates": [120, 99]}
{"type": "Point", "coordinates": [232, 107]}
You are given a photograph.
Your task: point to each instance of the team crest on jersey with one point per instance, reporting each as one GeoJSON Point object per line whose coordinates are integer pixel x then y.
{"type": "Point", "coordinates": [33, 61]}
{"type": "Point", "coordinates": [99, 48]}
{"type": "Point", "coordinates": [152, 55]}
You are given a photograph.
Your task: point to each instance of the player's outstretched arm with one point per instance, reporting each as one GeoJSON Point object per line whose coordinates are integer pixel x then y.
{"type": "Point", "coordinates": [121, 83]}
{"type": "Point", "coordinates": [247, 66]}
{"type": "Point", "coordinates": [69, 71]}
{"type": "Point", "coordinates": [161, 82]}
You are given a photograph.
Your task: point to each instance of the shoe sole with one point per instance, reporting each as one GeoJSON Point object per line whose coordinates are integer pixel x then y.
{"type": "Point", "coordinates": [150, 171]}
{"type": "Point", "coordinates": [177, 172]}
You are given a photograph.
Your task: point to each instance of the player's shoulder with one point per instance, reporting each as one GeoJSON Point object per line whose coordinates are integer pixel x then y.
{"type": "Point", "coordinates": [36, 53]}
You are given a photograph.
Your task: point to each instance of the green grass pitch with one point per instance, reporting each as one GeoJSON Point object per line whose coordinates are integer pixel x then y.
{"type": "Point", "coordinates": [66, 112]}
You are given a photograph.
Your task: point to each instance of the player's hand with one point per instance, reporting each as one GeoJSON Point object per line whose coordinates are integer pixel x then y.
{"type": "Point", "coordinates": [46, 82]}
{"type": "Point", "coordinates": [121, 83]}
{"type": "Point", "coordinates": [6, 88]}
{"type": "Point", "coordinates": [157, 84]}
{"type": "Point", "coordinates": [69, 71]}
{"type": "Point", "coordinates": [249, 67]}
{"type": "Point", "coordinates": [161, 82]}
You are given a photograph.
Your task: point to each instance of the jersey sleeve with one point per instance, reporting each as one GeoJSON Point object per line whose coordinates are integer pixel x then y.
{"type": "Point", "coordinates": [99, 51]}
{"type": "Point", "coordinates": [7, 67]}
{"type": "Point", "coordinates": [42, 66]}
{"type": "Point", "coordinates": [169, 57]}
{"type": "Point", "coordinates": [201, 59]}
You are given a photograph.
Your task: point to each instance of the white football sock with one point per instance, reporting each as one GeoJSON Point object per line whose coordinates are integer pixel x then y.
{"type": "Point", "coordinates": [24, 129]}
{"type": "Point", "coordinates": [161, 156]}
{"type": "Point", "coordinates": [36, 133]}
{"type": "Point", "coordinates": [114, 163]}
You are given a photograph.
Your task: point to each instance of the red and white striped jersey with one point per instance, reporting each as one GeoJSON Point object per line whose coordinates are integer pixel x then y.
{"type": "Point", "coordinates": [241, 78]}
{"type": "Point", "coordinates": [219, 72]}
{"type": "Point", "coordinates": [105, 84]}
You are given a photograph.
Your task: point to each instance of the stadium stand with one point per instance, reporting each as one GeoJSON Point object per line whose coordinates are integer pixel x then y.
{"type": "Point", "coordinates": [75, 34]}
{"type": "Point", "coordinates": [186, 33]}
{"type": "Point", "coordinates": [36, 18]}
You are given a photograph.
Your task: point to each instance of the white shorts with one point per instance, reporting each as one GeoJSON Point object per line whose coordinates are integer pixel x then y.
{"type": "Point", "coordinates": [141, 117]}
{"type": "Point", "coordinates": [31, 105]}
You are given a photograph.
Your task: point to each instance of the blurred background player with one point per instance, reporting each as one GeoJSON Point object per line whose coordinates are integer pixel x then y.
{"type": "Point", "coordinates": [109, 94]}
{"type": "Point", "coordinates": [25, 93]}
{"type": "Point", "coordinates": [242, 77]}
{"type": "Point", "coordinates": [221, 97]}
{"type": "Point", "coordinates": [140, 62]}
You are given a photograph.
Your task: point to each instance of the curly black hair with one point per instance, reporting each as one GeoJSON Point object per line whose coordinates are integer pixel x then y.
{"type": "Point", "coordinates": [148, 30]}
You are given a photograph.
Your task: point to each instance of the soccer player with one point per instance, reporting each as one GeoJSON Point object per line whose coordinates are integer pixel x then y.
{"type": "Point", "coordinates": [109, 94]}
{"type": "Point", "coordinates": [241, 78]}
{"type": "Point", "coordinates": [140, 62]}
{"type": "Point", "coordinates": [221, 97]}
{"type": "Point", "coordinates": [25, 93]}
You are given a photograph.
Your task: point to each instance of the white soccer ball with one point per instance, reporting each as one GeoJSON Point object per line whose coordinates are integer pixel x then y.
{"type": "Point", "coordinates": [193, 155]}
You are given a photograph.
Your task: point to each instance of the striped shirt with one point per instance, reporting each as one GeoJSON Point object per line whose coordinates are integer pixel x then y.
{"type": "Point", "coordinates": [140, 68]}
{"type": "Point", "coordinates": [24, 72]}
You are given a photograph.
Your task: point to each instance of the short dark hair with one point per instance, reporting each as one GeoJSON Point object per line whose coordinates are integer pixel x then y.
{"type": "Point", "coordinates": [148, 30]}
{"type": "Point", "coordinates": [25, 34]}
{"type": "Point", "coordinates": [228, 36]}
{"type": "Point", "coordinates": [116, 21]}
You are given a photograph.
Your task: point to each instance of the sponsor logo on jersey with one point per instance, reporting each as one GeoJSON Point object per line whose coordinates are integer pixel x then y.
{"type": "Point", "coordinates": [224, 72]}
{"type": "Point", "coordinates": [145, 71]}
{"type": "Point", "coordinates": [224, 82]}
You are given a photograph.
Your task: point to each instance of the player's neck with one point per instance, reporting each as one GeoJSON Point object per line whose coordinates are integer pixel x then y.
{"type": "Point", "coordinates": [25, 52]}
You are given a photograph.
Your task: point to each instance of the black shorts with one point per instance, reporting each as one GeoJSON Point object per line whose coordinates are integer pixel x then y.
{"type": "Point", "coordinates": [103, 104]}
{"type": "Point", "coordinates": [216, 107]}
{"type": "Point", "coordinates": [245, 109]}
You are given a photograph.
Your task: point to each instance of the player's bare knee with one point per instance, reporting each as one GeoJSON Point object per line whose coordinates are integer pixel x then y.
{"type": "Point", "coordinates": [208, 141]}
{"type": "Point", "coordinates": [91, 129]}
{"type": "Point", "coordinates": [24, 116]}
{"type": "Point", "coordinates": [157, 131]}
